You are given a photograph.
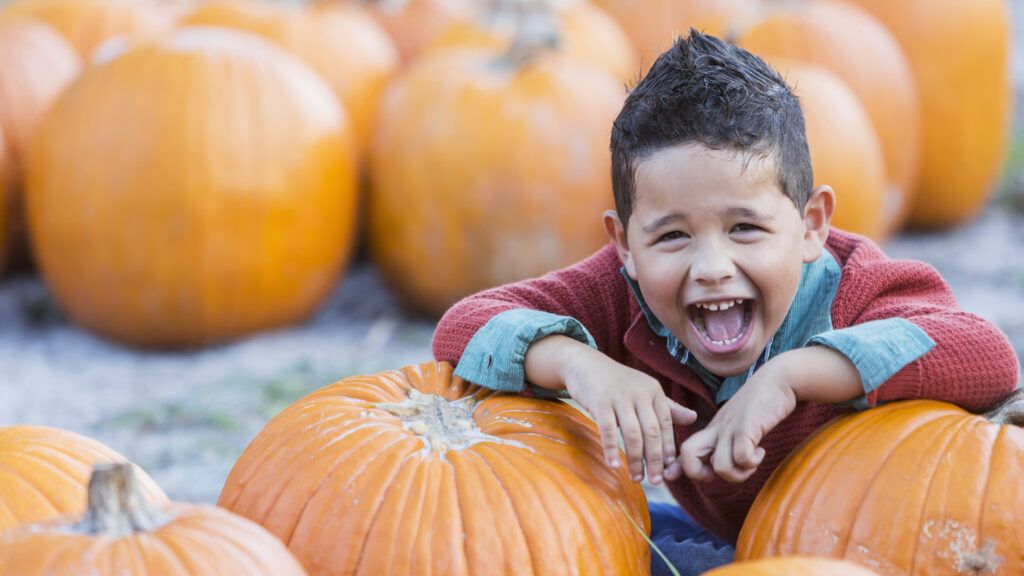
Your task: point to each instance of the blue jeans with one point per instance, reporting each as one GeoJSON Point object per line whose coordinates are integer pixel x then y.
{"type": "Point", "coordinates": [689, 548]}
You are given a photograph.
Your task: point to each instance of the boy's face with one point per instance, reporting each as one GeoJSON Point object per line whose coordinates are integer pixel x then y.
{"type": "Point", "coordinates": [717, 249]}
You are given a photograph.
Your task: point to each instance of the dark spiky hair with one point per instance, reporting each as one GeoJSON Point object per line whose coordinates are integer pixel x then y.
{"type": "Point", "coordinates": [703, 90]}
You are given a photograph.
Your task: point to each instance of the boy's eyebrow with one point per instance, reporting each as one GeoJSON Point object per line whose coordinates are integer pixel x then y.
{"type": "Point", "coordinates": [666, 219]}
{"type": "Point", "coordinates": [744, 212]}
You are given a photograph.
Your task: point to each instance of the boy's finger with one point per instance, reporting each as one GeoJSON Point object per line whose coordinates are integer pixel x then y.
{"type": "Point", "coordinates": [633, 439]}
{"type": "Point", "coordinates": [694, 452]}
{"type": "Point", "coordinates": [605, 419]}
{"type": "Point", "coordinates": [653, 448]}
{"type": "Point", "coordinates": [681, 414]}
{"type": "Point", "coordinates": [722, 461]}
{"type": "Point", "coordinates": [743, 451]}
{"type": "Point", "coordinates": [668, 437]}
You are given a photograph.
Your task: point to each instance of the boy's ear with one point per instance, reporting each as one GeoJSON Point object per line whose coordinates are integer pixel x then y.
{"type": "Point", "coordinates": [617, 232]}
{"type": "Point", "coordinates": [817, 219]}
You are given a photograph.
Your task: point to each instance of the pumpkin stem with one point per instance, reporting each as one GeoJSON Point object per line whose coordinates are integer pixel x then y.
{"type": "Point", "coordinates": [537, 30]}
{"type": "Point", "coordinates": [1009, 411]}
{"type": "Point", "coordinates": [116, 505]}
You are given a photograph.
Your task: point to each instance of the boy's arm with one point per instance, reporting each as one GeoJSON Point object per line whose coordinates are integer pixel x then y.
{"type": "Point", "coordinates": [486, 335]}
{"type": "Point", "coordinates": [892, 306]}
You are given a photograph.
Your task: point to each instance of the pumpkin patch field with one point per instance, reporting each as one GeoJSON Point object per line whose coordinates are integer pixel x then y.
{"type": "Point", "coordinates": [228, 229]}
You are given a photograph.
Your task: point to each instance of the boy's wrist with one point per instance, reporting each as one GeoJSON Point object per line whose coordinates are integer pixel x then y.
{"type": "Point", "coordinates": [553, 360]}
{"type": "Point", "coordinates": [818, 374]}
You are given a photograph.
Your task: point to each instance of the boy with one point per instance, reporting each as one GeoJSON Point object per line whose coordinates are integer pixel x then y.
{"type": "Point", "coordinates": [723, 313]}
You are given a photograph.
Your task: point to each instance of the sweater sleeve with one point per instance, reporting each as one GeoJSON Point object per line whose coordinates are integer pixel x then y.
{"type": "Point", "coordinates": [591, 292]}
{"type": "Point", "coordinates": [971, 364]}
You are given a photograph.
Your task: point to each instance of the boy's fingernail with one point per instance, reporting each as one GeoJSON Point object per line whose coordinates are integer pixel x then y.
{"type": "Point", "coordinates": [670, 460]}
{"type": "Point", "coordinates": [614, 463]}
{"type": "Point", "coordinates": [656, 479]}
{"type": "Point", "coordinates": [638, 477]}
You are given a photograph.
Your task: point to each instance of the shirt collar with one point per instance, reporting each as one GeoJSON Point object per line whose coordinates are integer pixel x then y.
{"type": "Point", "coordinates": [809, 314]}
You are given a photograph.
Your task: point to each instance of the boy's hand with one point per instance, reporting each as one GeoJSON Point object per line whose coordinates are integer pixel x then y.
{"type": "Point", "coordinates": [729, 445]}
{"type": "Point", "coordinates": [619, 397]}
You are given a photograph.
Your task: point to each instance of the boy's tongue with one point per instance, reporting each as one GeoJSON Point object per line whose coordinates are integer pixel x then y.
{"type": "Point", "coordinates": [724, 324]}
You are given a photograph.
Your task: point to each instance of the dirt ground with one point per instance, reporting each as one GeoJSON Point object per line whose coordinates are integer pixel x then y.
{"type": "Point", "coordinates": [186, 416]}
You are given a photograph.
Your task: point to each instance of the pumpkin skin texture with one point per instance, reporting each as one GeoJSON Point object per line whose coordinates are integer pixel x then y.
{"type": "Point", "coordinates": [485, 172]}
{"type": "Point", "coordinates": [587, 34]}
{"type": "Point", "coordinates": [845, 151]}
{"type": "Point", "coordinates": [917, 487]}
{"type": "Point", "coordinates": [652, 25]}
{"type": "Point", "coordinates": [45, 474]}
{"type": "Point", "coordinates": [207, 190]}
{"type": "Point", "coordinates": [121, 535]}
{"type": "Point", "coordinates": [341, 42]}
{"type": "Point", "coordinates": [959, 52]}
{"type": "Point", "coordinates": [87, 23]}
{"type": "Point", "coordinates": [792, 566]}
{"type": "Point", "coordinates": [413, 471]}
{"type": "Point", "coordinates": [856, 47]}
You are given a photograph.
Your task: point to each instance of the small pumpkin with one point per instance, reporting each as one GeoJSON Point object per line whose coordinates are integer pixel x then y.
{"type": "Point", "coordinates": [845, 150]}
{"type": "Point", "coordinates": [45, 472]}
{"type": "Point", "coordinates": [959, 53]}
{"type": "Point", "coordinates": [488, 168]}
{"type": "Point", "coordinates": [588, 34]}
{"type": "Point", "coordinates": [915, 487]}
{"type": "Point", "coordinates": [193, 189]}
{"type": "Point", "coordinates": [87, 23]}
{"type": "Point", "coordinates": [121, 534]}
{"type": "Point", "coordinates": [414, 471]}
{"type": "Point", "coordinates": [341, 42]}
{"type": "Point", "coordinates": [792, 566]}
{"type": "Point", "coordinates": [856, 47]}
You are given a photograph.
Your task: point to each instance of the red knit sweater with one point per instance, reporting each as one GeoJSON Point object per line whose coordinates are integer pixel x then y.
{"type": "Point", "coordinates": [971, 365]}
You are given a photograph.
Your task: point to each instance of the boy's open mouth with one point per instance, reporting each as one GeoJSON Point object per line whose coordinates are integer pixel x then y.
{"type": "Point", "coordinates": [722, 325]}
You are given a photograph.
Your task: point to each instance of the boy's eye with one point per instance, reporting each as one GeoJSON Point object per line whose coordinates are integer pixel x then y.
{"type": "Point", "coordinates": [673, 235]}
{"type": "Point", "coordinates": [746, 228]}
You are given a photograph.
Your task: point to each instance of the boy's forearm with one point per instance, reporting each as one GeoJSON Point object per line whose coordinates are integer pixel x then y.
{"type": "Point", "coordinates": [549, 360]}
{"type": "Point", "coordinates": [820, 374]}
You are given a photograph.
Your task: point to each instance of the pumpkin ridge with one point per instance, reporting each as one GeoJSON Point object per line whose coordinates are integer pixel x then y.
{"type": "Point", "coordinates": [50, 465]}
{"type": "Point", "coordinates": [479, 453]}
{"type": "Point", "coordinates": [545, 468]}
{"type": "Point", "coordinates": [457, 504]}
{"type": "Point", "coordinates": [951, 438]}
{"type": "Point", "coordinates": [339, 460]}
{"type": "Point", "coordinates": [409, 461]}
{"type": "Point", "coordinates": [22, 480]}
{"type": "Point", "coordinates": [172, 553]}
{"type": "Point", "coordinates": [1001, 430]}
{"type": "Point", "coordinates": [352, 478]}
{"type": "Point", "coordinates": [850, 440]}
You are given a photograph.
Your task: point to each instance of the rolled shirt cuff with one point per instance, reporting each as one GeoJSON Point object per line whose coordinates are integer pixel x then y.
{"type": "Point", "coordinates": [495, 355]}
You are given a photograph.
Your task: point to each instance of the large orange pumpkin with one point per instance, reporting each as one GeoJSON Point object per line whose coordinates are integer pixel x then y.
{"type": "Point", "coordinates": [122, 535]}
{"type": "Point", "coordinates": [845, 151]}
{"type": "Point", "coordinates": [652, 25]}
{"type": "Point", "coordinates": [487, 170]}
{"type": "Point", "coordinates": [193, 189]}
{"type": "Point", "coordinates": [587, 33]}
{"type": "Point", "coordinates": [918, 487]}
{"type": "Point", "coordinates": [413, 471]}
{"type": "Point", "coordinates": [792, 566]}
{"type": "Point", "coordinates": [857, 48]}
{"type": "Point", "coordinates": [87, 23]}
{"type": "Point", "coordinates": [45, 472]}
{"type": "Point", "coordinates": [341, 42]}
{"type": "Point", "coordinates": [959, 52]}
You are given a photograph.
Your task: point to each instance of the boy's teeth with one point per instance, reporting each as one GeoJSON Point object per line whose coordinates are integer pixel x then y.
{"type": "Point", "coordinates": [716, 306]}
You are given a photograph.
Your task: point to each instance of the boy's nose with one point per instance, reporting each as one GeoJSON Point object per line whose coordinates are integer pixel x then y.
{"type": "Point", "coordinates": [712, 266]}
